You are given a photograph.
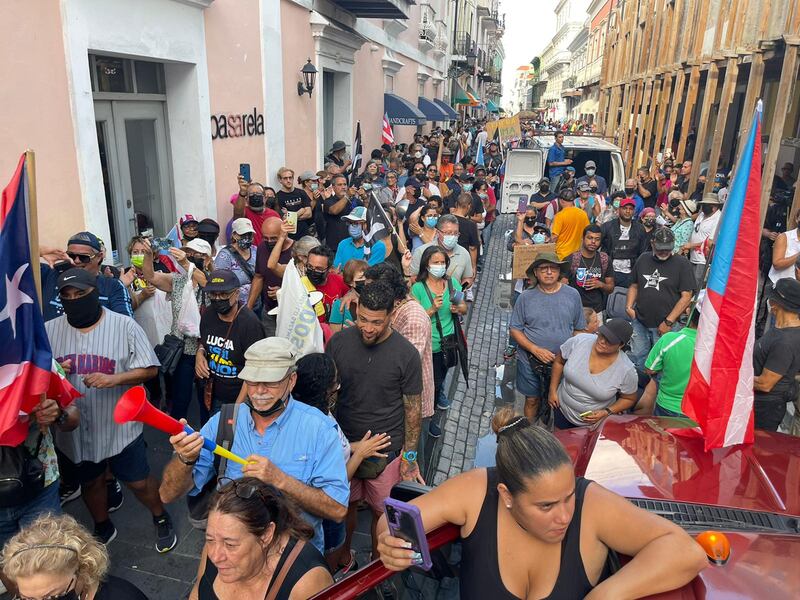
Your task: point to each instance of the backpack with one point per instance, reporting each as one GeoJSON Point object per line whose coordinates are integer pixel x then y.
{"type": "Point", "coordinates": [226, 429]}
{"type": "Point", "coordinates": [615, 305]}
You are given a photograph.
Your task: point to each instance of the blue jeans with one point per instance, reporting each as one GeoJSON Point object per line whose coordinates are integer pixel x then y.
{"type": "Point", "coordinates": [641, 343]}
{"type": "Point", "coordinates": [15, 518]}
{"type": "Point", "coordinates": [660, 411]}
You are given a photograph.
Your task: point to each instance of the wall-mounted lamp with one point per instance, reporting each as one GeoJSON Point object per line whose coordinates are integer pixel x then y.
{"type": "Point", "coordinates": [309, 75]}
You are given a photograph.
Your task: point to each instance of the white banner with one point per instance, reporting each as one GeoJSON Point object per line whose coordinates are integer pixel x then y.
{"type": "Point", "coordinates": [297, 320]}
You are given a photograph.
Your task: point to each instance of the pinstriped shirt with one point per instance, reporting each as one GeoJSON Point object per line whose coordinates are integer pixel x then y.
{"type": "Point", "coordinates": [412, 322]}
{"type": "Point", "coordinates": [116, 345]}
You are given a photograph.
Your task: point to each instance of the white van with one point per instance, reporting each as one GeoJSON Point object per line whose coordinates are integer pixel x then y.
{"type": "Point", "coordinates": [525, 167]}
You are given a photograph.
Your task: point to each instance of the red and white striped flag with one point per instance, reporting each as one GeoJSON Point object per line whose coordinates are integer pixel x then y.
{"type": "Point", "coordinates": [719, 394]}
{"type": "Point", "coordinates": [387, 134]}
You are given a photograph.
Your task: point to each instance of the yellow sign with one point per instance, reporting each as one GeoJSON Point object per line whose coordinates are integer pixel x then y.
{"type": "Point", "coordinates": [509, 128]}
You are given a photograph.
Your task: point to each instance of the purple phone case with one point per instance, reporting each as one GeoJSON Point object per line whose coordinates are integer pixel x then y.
{"type": "Point", "coordinates": [522, 206]}
{"type": "Point", "coordinates": [408, 515]}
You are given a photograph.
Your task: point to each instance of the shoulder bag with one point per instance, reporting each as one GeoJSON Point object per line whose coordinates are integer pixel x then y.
{"type": "Point", "coordinates": [21, 474]}
{"type": "Point", "coordinates": [449, 343]}
{"type": "Point", "coordinates": [169, 353]}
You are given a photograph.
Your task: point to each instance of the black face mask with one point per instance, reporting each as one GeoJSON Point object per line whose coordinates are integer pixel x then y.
{"type": "Point", "coordinates": [707, 209]}
{"type": "Point", "coordinates": [244, 243]}
{"type": "Point", "coordinates": [211, 238]}
{"type": "Point", "coordinates": [188, 236]}
{"type": "Point", "coordinates": [316, 277]}
{"type": "Point", "coordinates": [359, 287]}
{"type": "Point", "coordinates": [530, 221]}
{"type": "Point", "coordinates": [198, 262]}
{"type": "Point", "coordinates": [544, 187]}
{"type": "Point", "coordinates": [256, 200]}
{"type": "Point", "coordinates": [275, 408]}
{"type": "Point", "coordinates": [84, 311]}
{"type": "Point", "coordinates": [629, 191]}
{"type": "Point", "coordinates": [222, 306]}
{"type": "Point", "coordinates": [593, 189]}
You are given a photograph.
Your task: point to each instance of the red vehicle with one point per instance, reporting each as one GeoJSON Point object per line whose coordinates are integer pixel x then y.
{"type": "Point", "coordinates": [749, 493]}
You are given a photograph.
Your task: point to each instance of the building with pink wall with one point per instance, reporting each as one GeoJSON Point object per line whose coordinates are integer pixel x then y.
{"type": "Point", "coordinates": [142, 110]}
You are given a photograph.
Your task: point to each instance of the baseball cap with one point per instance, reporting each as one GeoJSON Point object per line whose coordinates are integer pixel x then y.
{"type": "Point", "coordinates": [589, 165]}
{"type": "Point", "coordinates": [544, 180]}
{"type": "Point", "coordinates": [663, 239]}
{"type": "Point", "coordinates": [242, 225]}
{"type": "Point", "coordinates": [338, 145]}
{"type": "Point", "coordinates": [359, 213]}
{"type": "Point", "coordinates": [268, 360]}
{"type": "Point", "coordinates": [198, 245]}
{"type": "Point", "coordinates": [583, 186]}
{"type": "Point", "coordinates": [616, 331]}
{"type": "Point", "coordinates": [570, 168]}
{"type": "Point", "coordinates": [308, 176]}
{"type": "Point", "coordinates": [221, 280]}
{"type": "Point", "coordinates": [78, 278]}
{"type": "Point", "coordinates": [466, 176]}
{"type": "Point", "coordinates": [387, 147]}
{"type": "Point", "coordinates": [186, 219]}
{"type": "Point", "coordinates": [208, 226]}
{"type": "Point", "coordinates": [627, 202]}
{"type": "Point", "coordinates": [86, 238]}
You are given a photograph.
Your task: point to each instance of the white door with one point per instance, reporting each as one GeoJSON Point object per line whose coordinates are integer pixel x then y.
{"type": "Point", "coordinates": [132, 139]}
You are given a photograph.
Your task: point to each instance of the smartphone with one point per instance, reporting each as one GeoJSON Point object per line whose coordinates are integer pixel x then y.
{"type": "Point", "coordinates": [244, 171]}
{"type": "Point", "coordinates": [162, 245]}
{"type": "Point", "coordinates": [291, 219]}
{"type": "Point", "coordinates": [405, 522]}
{"type": "Point", "coordinates": [367, 187]}
{"type": "Point", "coordinates": [457, 297]}
{"type": "Point", "coordinates": [523, 204]}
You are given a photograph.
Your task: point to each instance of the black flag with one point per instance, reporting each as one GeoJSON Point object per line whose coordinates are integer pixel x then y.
{"type": "Point", "coordinates": [355, 168]}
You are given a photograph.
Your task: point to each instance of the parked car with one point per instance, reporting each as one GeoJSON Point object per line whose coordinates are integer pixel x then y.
{"type": "Point", "coordinates": [749, 493]}
{"type": "Point", "coordinates": [525, 167]}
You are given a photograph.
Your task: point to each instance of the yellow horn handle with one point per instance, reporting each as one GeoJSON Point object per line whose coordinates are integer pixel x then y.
{"type": "Point", "coordinates": [229, 455]}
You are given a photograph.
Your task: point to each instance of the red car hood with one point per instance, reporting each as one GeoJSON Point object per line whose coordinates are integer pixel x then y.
{"type": "Point", "coordinates": [638, 457]}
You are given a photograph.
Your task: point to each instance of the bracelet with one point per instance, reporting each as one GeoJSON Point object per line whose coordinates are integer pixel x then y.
{"type": "Point", "coordinates": [188, 463]}
{"type": "Point", "coordinates": [609, 411]}
{"type": "Point", "coordinates": [62, 417]}
{"type": "Point", "coordinates": [669, 323]}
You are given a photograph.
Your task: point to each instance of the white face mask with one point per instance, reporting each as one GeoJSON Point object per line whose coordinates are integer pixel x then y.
{"type": "Point", "coordinates": [437, 271]}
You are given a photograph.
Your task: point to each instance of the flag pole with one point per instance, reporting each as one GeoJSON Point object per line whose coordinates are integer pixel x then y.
{"type": "Point", "coordinates": [33, 223]}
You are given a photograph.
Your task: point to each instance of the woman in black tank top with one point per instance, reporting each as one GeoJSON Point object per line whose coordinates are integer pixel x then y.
{"type": "Point", "coordinates": [257, 546]}
{"type": "Point", "coordinates": [531, 530]}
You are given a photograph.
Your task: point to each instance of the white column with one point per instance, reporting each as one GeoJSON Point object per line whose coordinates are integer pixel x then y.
{"type": "Point", "coordinates": [272, 78]}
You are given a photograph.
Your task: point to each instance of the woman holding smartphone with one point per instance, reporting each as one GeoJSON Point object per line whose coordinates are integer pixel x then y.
{"type": "Point", "coordinates": [443, 299]}
{"type": "Point", "coordinates": [531, 529]}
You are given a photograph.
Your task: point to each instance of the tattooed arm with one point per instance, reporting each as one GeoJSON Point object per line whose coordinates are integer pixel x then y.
{"type": "Point", "coordinates": [413, 409]}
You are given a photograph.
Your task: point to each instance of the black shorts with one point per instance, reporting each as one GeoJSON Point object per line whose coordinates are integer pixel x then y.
{"type": "Point", "coordinates": [127, 466]}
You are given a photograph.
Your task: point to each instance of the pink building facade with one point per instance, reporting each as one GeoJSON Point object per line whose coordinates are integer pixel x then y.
{"type": "Point", "coordinates": [141, 111]}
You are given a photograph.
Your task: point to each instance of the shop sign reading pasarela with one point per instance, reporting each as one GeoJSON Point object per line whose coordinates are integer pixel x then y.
{"type": "Point", "coordinates": [234, 126]}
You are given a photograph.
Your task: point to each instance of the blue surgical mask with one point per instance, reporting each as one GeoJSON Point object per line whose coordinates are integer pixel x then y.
{"type": "Point", "coordinates": [437, 271]}
{"type": "Point", "coordinates": [431, 221]}
{"type": "Point", "coordinates": [355, 231]}
{"type": "Point", "coordinates": [449, 241]}
{"type": "Point", "coordinates": [467, 187]}
{"type": "Point", "coordinates": [538, 238]}
{"type": "Point", "coordinates": [483, 196]}
{"type": "Point", "coordinates": [314, 187]}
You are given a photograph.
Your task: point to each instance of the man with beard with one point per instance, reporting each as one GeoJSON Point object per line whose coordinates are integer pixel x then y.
{"type": "Point", "coordinates": [104, 354]}
{"type": "Point", "coordinates": [624, 240]}
{"type": "Point", "coordinates": [251, 204]}
{"type": "Point", "coordinates": [590, 271]}
{"type": "Point", "coordinates": [287, 444]}
{"type": "Point", "coordinates": [335, 207]}
{"type": "Point", "coordinates": [381, 391]}
{"type": "Point", "coordinates": [661, 288]}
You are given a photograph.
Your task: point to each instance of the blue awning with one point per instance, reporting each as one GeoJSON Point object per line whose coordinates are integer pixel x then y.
{"type": "Point", "coordinates": [448, 110]}
{"type": "Point", "coordinates": [401, 111]}
{"type": "Point", "coordinates": [431, 110]}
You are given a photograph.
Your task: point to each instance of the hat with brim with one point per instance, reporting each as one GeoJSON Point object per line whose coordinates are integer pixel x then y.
{"type": "Point", "coordinates": [338, 145]}
{"type": "Point", "coordinates": [357, 215]}
{"type": "Point", "coordinates": [785, 292]}
{"type": "Point", "coordinates": [627, 202]}
{"type": "Point", "coordinates": [78, 278]}
{"type": "Point", "coordinates": [308, 176]}
{"type": "Point", "coordinates": [268, 360]}
{"type": "Point", "coordinates": [541, 227]}
{"type": "Point", "coordinates": [710, 198]}
{"type": "Point", "coordinates": [242, 225]}
{"type": "Point", "coordinates": [616, 331]}
{"type": "Point", "coordinates": [543, 258]}
{"type": "Point", "coordinates": [198, 245]}
{"type": "Point", "coordinates": [690, 206]}
{"type": "Point", "coordinates": [663, 239]}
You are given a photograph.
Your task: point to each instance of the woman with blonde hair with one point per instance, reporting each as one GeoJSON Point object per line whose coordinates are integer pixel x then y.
{"type": "Point", "coordinates": [56, 558]}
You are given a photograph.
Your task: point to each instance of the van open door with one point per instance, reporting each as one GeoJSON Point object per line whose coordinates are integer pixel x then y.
{"type": "Point", "coordinates": [524, 169]}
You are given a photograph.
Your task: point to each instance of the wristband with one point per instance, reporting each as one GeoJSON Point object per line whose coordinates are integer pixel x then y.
{"type": "Point", "coordinates": [609, 411]}
{"type": "Point", "coordinates": [62, 417]}
{"type": "Point", "coordinates": [409, 456]}
{"type": "Point", "coordinates": [669, 323]}
{"type": "Point", "coordinates": [188, 463]}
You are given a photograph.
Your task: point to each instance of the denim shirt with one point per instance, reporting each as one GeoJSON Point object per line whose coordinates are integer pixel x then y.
{"type": "Point", "coordinates": [302, 442]}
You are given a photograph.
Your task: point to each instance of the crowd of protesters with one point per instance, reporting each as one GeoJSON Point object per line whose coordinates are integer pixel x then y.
{"type": "Point", "coordinates": [389, 253]}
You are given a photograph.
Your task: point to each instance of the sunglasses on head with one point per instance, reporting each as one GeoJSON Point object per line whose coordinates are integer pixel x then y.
{"type": "Point", "coordinates": [82, 258]}
{"type": "Point", "coordinates": [245, 491]}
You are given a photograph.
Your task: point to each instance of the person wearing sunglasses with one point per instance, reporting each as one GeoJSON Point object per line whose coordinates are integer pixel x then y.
{"type": "Point", "coordinates": [291, 445]}
{"type": "Point", "coordinates": [257, 545]}
{"type": "Point", "coordinates": [86, 251]}
{"type": "Point", "coordinates": [55, 558]}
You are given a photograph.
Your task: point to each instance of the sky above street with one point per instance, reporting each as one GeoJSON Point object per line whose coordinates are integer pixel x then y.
{"type": "Point", "coordinates": [530, 25]}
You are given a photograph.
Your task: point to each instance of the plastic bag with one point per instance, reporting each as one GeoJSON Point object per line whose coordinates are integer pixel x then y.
{"type": "Point", "coordinates": [189, 316]}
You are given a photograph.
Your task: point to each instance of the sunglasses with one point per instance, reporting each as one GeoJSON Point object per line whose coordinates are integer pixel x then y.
{"type": "Point", "coordinates": [245, 491]}
{"type": "Point", "coordinates": [84, 259]}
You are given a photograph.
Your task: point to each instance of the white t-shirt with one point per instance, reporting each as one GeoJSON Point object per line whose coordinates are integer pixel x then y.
{"type": "Point", "coordinates": [704, 228]}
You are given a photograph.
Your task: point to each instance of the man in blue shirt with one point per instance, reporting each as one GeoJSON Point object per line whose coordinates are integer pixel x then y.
{"type": "Point", "coordinates": [288, 444]}
{"type": "Point", "coordinates": [357, 246]}
{"type": "Point", "coordinates": [557, 159]}
{"type": "Point", "coordinates": [85, 251]}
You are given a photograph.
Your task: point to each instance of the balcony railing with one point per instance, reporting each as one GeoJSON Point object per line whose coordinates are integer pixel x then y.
{"type": "Point", "coordinates": [464, 46]}
{"type": "Point", "coordinates": [568, 83]}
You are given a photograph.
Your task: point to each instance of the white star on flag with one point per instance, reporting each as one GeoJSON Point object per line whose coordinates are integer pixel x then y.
{"type": "Point", "coordinates": [14, 299]}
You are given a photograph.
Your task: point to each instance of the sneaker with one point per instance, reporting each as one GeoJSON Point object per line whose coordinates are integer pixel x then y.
{"type": "Point", "coordinates": [69, 492]}
{"type": "Point", "coordinates": [434, 430]}
{"type": "Point", "coordinates": [443, 403]}
{"type": "Point", "coordinates": [166, 538]}
{"type": "Point", "coordinates": [469, 295]}
{"type": "Point", "coordinates": [105, 532]}
{"type": "Point", "coordinates": [114, 494]}
{"type": "Point", "coordinates": [344, 570]}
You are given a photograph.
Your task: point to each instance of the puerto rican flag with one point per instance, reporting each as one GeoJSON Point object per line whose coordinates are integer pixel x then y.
{"type": "Point", "coordinates": [719, 395]}
{"type": "Point", "coordinates": [387, 134]}
{"type": "Point", "coordinates": [27, 368]}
